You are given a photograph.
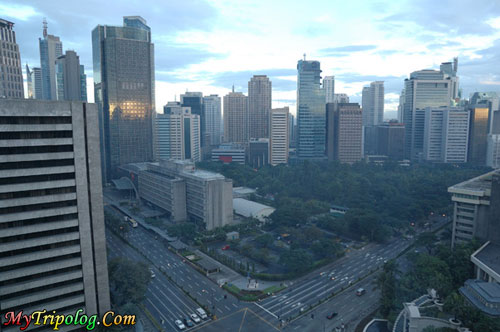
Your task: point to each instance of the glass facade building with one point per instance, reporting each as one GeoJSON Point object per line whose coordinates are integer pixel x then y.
{"type": "Point", "coordinates": [311, 117]}
{"type": "Point", "coordinates": [123, 62]}
{"type": "Point", "coordinates": [478, 137]}
{"type": "Point", "coordinates": [50, 50]}
{"type": "Point", "coordinates": [212, 112]}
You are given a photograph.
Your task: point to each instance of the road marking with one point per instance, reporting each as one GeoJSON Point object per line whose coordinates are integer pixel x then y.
{"type": "Point", "coordinates": [227, 308]}
{"type": "Point", "coordinates": [258, 305]}
{"type": "Point", "coordinates": [234, 305]}
{"type": "Point", "coordinates": [219, 310]}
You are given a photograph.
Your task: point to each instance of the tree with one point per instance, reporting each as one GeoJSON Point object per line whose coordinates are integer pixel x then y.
{"type": "Point", "coordinates": [386, 281]}
{"type": "Point", "coordinates": [128, 281]}
{"type": "Point", "coordinates": [296, 260]}
{"type": "Point", "coordinates": [264, 240]}
{"type": "Point", "coordinates": [427, 240]}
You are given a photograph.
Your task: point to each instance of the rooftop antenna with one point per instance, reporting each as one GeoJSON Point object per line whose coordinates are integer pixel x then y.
{"type": "Point", "coordinates": [44, 27]}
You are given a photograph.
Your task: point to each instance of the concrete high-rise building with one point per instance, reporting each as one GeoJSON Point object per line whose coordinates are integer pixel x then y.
{"type": "Point", "coordinates": [493, 153]}
{"type": "Point", "coordinates": [390, 140]}
{"type": "Point", "coordinates": [34, 80]}
{"type": "Point", "coordinates": [292, 132]}
{"type": "Point", "coordinates": [278, 136]}
{"type": "Point", "coordinates": [450, 69]}
{"type": "Point", "coordinates": [69, 77]}
{"type": "Point", "coordinates": [258, 152]}
{"type": "Point", "coordinates": [83, 83]}
{"type": "Point", "coordinates": [52, 243]}
{"type": "Point", "coordinates": [310, 111]}
{"type": "Point", "coordinates": [235, 117]}
{"type": "Point", "coordinates": [177, 134]}
{"type": "Point", "coordinates": [401, 106]}
{"type": "Point", "coordinates": [259, 106]}
{"type": "Point", "coordinates": [123, 60]}
{"type": "Point", "coordinates": [344, 132]}
{"type": "Point", "coordinates": [478, 137]}
{"type": "Point", "coordinates": [365, 102]}
{"type": "Point", "coordinates": [329, 86]}
{"type": "Point", "coordinates": [373, 104]}
{"type": "Point", "coordinates": [446, 134]}
{"type": "Point", "coordinates": [212, 112]}
{"type": "Point", "coordinates": [11, 75]}
{"type": "Point", "coordinates": [341, 98]}
{"type": "Point", "coordinates": [229, 153]}
{"type": "Point", "coordinates": [424, 88]}
{"type": "Point", "coordinates": [194, 100]}
{"type": "Point", "coordinates": [50, 49]}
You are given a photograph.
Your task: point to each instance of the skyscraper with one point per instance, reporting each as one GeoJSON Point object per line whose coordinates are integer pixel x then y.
{"type": "Point", "coordinates": [235, 117]}
{"type": "Point", "coordinates": [329, 86]}
{"type": "Point", "coordinates": [310, 111]}
{"type": "Point", "coordinates": [478, 137]}
{"type": "Point", "coordinates": [194, 100]}
{"type": "Point", "coordinates": [212, 113]}
{"type": "Point", "coordinates": [391, 140]}
{"type": "Point", "coordinates": [344, 132]}
{"type": "Point", "coordinates": [259, 106]}
{"type": "Point", "coordinates": [341, 98]}
{"type": "Point", "coordinates": [50, 49]}
{"type": "Point", "coordinates": [83, 83]}
{"type": "Point", "coordinates": [177, 133]}
{"type": "Point", "coordinates": [11, 75]}
{"type": "Point", "coordinates": [52, 244]}
{"type": "Point", "coordinates": [373, 104]}
{"type": "Point", "coordinates": [446, 134]}
{"type": "Point", "coordinates": [123, 60]}
{"type": "Point", "coordinates": [34, 79]}
{"type": "Point", "coordinates": [69, 77]}
{"type": "Point", "coordinates": [424, 88]}
{"type": "Point", "coordinates": [279, 140]}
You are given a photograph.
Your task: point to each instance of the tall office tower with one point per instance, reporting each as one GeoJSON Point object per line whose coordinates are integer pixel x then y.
{"type": "Point", "coordinates": [451, 69]}
{"type": "Point", "coordinates": [50, 49]}
{"type": "Point", "coordinates": [401, 106]}
{"type": "Point", "coordinates": [329, 86]}
{"type": "Point", "coordinates": [212, 113]}
{"type": "Point", "coordinates": [492, 100]}
{"type": "Point", "coordinates": [424, 88]}
{"type": "Point", "coordinates": [493, 152]}
{"type": "Point", "coordinates": [344, 132]}
{"type": "Point", "coordinates": [278, 136]}
{"type": "Point", "coordinates": [373, 104]}
{"type": "Point", "coordinates": [235, 117]}
{"type": "Point", "coordinates": [310, 111]}
{"type": "Point", "coordinates": [194, 100]}
{"type": "Point", "coordinates": [446, 134]}
{"type": "Point", "coordinates": [390, 140]}
{"type": "Point", "coordinates": [177, 133]}
{"type": "Point", "coordinates": [11, 78]}
{"type": "Point", "coordinates": [52, 244]}
{"type": "Point", "coordinates": [69, 77]}
{"type": "Point", "coordinates": [124, 91]}
{"type": "Point", "coordinates": [478, 138]}
{"type": "Point", "coordinates": [83, 83]}
{"type": "Point", "coordinates": [341, 98]}
{"type": "Point", "coordinates": [365, 103]}
{"type": "Point", "coordinates": [34, 79]}
{"type": "Point", "coordinates": [259, 106]}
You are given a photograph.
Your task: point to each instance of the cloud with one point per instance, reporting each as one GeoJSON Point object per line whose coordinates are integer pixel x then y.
{"type": "Point", "coordinates": [240, 78]}
{"type": "Point", "coordinates": [17, 12]}
{"type": "Point", "coordinates": [344, 50]}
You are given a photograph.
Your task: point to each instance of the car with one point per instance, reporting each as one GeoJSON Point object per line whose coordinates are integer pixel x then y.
{"type": "Point", "coordinates": [360, 291]}
{"type": "Point", "coordinates": [195, 318]}
{"type": "Point", "coordinates": [333, 277]}
{"type": "Point", "coordinates": [179, 324]}
{"type": "Point", "coordinates": [201, 313]}
{"type": "Point", "coordinates": [188, 322]}
{"type": "Point", "coordinates": [226, 247]}
{"type": "Point", "coordinates": [332, 315]}
{"type": "Point", "coordinates": [152, 273]}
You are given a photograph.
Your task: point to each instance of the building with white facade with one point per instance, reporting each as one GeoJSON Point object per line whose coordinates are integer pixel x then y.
{"type": "Point", "coordinates": [279, 136]}
{"type": "Point", "coordinates": [329, 86]}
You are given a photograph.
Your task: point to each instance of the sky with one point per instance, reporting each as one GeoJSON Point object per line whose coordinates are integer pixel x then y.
{"type": "Point", "coordinates": [210, 45]}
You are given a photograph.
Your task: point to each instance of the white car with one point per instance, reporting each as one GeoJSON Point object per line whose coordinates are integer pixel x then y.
{"type": "Point", "coordinates": [180, 325]}
{"type": "Point", "coordinates": [195, 318]}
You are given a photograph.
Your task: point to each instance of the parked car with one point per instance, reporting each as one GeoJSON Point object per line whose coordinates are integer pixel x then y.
{"type": "Point", "coordinates": [332, 315]}
{"type": "Point", "coordinates": [201, 313]}
{"type": "Point", "coordinates": [152, 273]}
{"type": "Point", "coordinates": [188, 322]}
{"type": "Point", "coordinates": [195, 318]}
{"type": "Point", "coordinates": [226, 247]}
{"type": "Point", "coordinates": [179, 324]}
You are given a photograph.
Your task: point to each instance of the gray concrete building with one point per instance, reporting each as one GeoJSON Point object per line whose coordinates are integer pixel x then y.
{"type": "Point", "coordinates": [259, 106]}
{"type": "Point", "coordinates": [279, 141]}
{"type": "Point", "coordinates": [229, 153]}
{"type": "Point", "coordinates": [50, 49]}
{"type": "Point", "coordinates": [344, 139]}
{"type": "Point", "coordinates": [52, 243]}
{"type": "Point", "coordinates": [11, 75]}
{"type": "Point", "coordinates": [235, 117]}
{"type": "Point", "coordinates": [329, 86]}
{"type": "Point", "coordinates": [69, 74]}
{"type": "Point", "coordinates": [208, 195]}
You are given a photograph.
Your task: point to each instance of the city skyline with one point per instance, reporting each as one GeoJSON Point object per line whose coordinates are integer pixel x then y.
{"type": "Point", "coordinates": [207, 47]}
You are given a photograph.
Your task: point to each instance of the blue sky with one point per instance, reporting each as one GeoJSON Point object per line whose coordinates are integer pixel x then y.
{"type": "Point", "coordinates": [210, 45]}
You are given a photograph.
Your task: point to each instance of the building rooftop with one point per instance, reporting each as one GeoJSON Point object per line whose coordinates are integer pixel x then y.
{"type": "Point", "coordinates": [488, 292]}
{"type": "Point", "coordinates": [248, 208]}
{"type": "Point", "coordinates": [480, 184]}
{"type": "Point", "coordinates": [489, 255]}
{"type": "Point", "coordinates": [243, 191]}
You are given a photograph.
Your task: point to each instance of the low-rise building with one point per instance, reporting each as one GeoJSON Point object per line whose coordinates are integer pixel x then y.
{"type": "Point", "coordinates": [251, 209]}
{"type": "Point", "coordinates": [229, 153]}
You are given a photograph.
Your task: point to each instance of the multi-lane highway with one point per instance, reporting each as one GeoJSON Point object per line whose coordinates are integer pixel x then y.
{"type": "Point", "coordinates": [167, 300]}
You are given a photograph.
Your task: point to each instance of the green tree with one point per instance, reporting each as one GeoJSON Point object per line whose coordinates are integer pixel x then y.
{"type": "Point", "coordinates": [386, 281]}
{"type": "Point", "coordinates": [264, 240]}
{"type": "Point", "coordinates": [427, 240]}
{"type": "Point", "coordinates": [128, 281]}
{"type": "Point", "coordinates": [296, 260]}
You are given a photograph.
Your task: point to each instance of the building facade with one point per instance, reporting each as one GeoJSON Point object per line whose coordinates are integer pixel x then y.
{"type": "Point", "coordinates": [258, 152]}
{"type": "Point", "coordinates": [177, 134]}
{"type": "Point", "coordinates": [373, 104]}
{"type": "Point", "coordinates": [424, 88]}
{"type": "Point", "coordinates": [194, 100]}
{"type": "Point", "coordinates": [50, 49]}
{"type": "Point", "coordinates": [446, 134]}
{"type": "Point", "coordinates": [340, 98]}
{"type": "Point", "coordinates": [479, 129]}
{"type": "Point", "coordinates": [344, 132]}
{"type": "Point", "coordinates": [329, 86]}
{"type": "Point", "coordinates": [493, 153]}
{"type": "Point", "coordinates": [259, 106]}
{"type": "Point", "coordinates": [390, 140]}
{"type": "Point", "coordinates": [52, 243]}
{"type": "Point", "coordinates": [236, 117]}
{"type": "Point", "coordinates": [229, 153]}
{"type": "Point", "coordinates": [123, 63]}
{"type": "Point", "coordinates": [310, 111]}
{"type": "Point", "coordinates": [279, 136]}
{"type": "Point", "coordinates": [69, 78]}
{"type": "Point", "coordinates": [11, 75]}
{"type": "Point", "coordinates": [212, 111]}
{"type": "Point", "coordinates": [34, 82]}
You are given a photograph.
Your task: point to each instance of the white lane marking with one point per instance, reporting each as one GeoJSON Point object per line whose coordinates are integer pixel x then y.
{"type": "Point", "coordinates": [265, 310]}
